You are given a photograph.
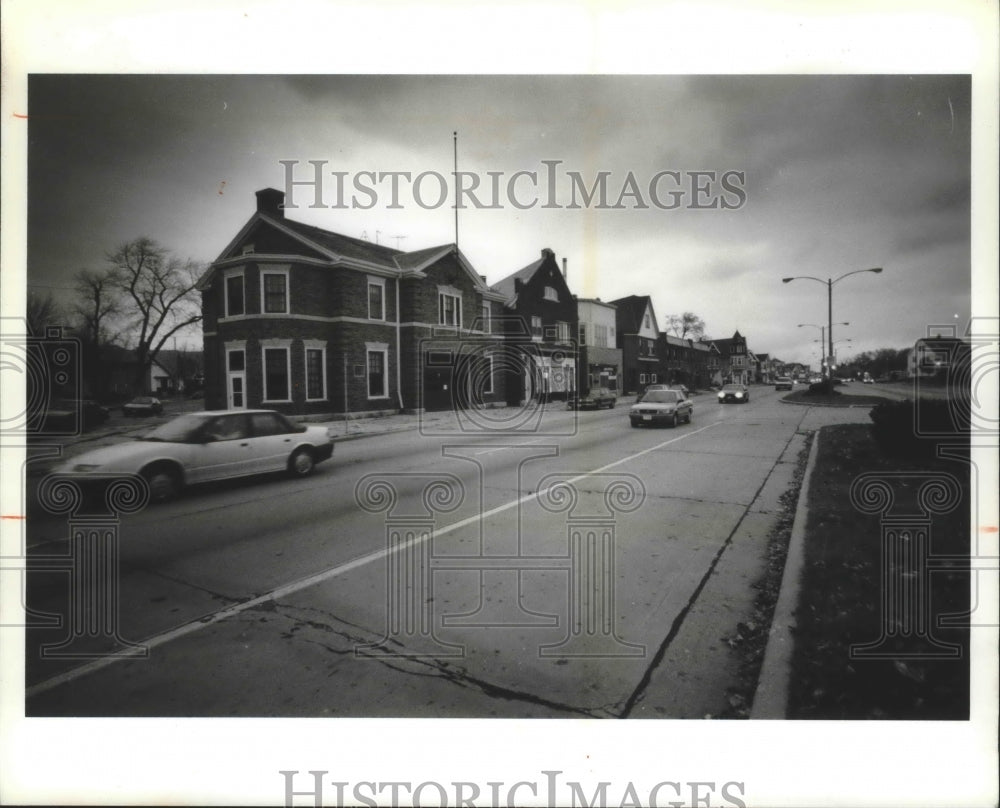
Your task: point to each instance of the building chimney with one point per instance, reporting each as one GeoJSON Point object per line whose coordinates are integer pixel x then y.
{"type": "Point", "coordinates": [271, 202]}
{"type": "Point", "coordinates": [564, 266]}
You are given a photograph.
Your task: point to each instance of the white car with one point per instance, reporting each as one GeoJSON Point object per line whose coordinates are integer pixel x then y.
{"type": "Point", "coordinates": [204, 446]}
{"type": "Point", "coordinates": [661, 407]}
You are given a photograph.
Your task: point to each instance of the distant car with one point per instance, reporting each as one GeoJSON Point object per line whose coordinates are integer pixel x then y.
{"type": "Point", "coordinates": [661, 407]}
{"type": "Point", "coordinates": [815, 380]}
{"type": "Point", "coordinates": [868, 380]}
{"type": "Point", "coordinates": [734, 392]}
{"type": "Point", "coordinates": [782, 383]}
{"type": "Point", "coordinates": [594, 399]}
{"type": "Point", "coordinates": [142, 405]}
{"type": "Point", "coordinates": [204, 446]}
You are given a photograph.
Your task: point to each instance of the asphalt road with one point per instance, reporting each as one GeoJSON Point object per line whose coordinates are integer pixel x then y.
{"type": "Point", "coordinates": [581, 569]}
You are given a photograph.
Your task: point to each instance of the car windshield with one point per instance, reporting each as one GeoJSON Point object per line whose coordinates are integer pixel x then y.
{"type": "Point", "coordinates": [660, 397]}
{"type": "Point", "coordinates": [184, 429]}
{"type": "Point", "coordinates": [733, 387]}
{"type": "Point", "coordinates": [142, 400]}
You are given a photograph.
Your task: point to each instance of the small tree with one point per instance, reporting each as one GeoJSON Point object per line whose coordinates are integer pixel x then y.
{"type": "Point", "coordinates": [686, 326]}
{"type": "Point", "coordinates": [158, 297]}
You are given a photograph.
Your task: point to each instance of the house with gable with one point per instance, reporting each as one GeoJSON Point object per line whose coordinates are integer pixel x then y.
{"type": "Point", "coordinates": [540, 328]}
{"type": "Point", "coordinates": [307, 321]}
{"type": "Point", "coordinates": [637, 336]}
{"type": "Point", "coordinates": [734, 360]}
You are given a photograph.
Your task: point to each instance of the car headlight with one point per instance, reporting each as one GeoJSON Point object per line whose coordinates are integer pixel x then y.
{"type": "Point", "coordinates": [86, 466]}
{"type": "Point", "coordinates": [739, 395]}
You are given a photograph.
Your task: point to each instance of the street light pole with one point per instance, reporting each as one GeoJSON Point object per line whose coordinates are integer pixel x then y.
{"type": "Point", "coordinates": [829, 304]}
{"type": "Point", "coordinates": [822, 339]}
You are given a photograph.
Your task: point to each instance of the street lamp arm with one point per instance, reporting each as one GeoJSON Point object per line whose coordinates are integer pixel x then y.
{"type": "Point", "coordinates": [804, 277]}
{"type": "Point", "coordinates": [856, 272]}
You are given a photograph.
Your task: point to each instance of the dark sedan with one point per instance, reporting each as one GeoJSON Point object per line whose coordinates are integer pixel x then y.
{"type": "Point", "coordinates": [594, 399]}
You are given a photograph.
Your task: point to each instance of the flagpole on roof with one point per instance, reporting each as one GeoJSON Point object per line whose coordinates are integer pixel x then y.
{"type": "Point", "coordinates": [455, 141]}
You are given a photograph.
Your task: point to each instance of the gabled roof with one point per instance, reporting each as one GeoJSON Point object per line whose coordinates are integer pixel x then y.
{"type": "Point", "coordinates": [336, 249]}
{"type": "Point", "coordinates": [631, 310]}
{"type": "Point", "coordinates": [508, 286]}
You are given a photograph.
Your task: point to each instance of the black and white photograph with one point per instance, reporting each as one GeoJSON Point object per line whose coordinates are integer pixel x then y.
{"type": "Point", "coordinates": [387, 408]}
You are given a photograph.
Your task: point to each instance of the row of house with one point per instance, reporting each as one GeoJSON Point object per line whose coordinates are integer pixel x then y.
{"type": "Point", "coordinates": [307, 321]}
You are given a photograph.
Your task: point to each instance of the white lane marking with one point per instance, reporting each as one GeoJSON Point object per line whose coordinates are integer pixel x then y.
{"type": "Point", "coordinates": [321, 577]}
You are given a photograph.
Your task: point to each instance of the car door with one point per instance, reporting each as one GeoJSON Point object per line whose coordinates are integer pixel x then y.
{"type": "Point", "coordinates": [224, 450]}
{"type": "Point", "coordinates": [272, 440]}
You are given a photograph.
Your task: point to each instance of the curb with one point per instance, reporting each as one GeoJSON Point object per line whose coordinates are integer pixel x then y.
{"type": "Point", "coordinates": [770, 700]}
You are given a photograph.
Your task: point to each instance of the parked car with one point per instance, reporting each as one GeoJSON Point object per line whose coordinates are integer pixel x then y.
{"type": "Point", "coordinates": [594, 399]}
{"type": "Point", "coordinates": [734, 392]}
{"type": "Point", "coordinates": [782, 383]}
{"type": "Point", "coordinates": [204, 446]}
{"type": "Point", "coordinates": [661, 407]}
{"type": "Point", "coordinates": [142, 405]}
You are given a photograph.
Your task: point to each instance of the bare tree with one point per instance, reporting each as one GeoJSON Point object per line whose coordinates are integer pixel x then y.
{"type": "Point", "coordinates": [686, 326]}
{"type": "Point", "coordinates": [42, 311]}
{"type": "Point", "coordinates": [97, 305]}
{"type": "Point", "coordinates": [158, 297]}
{"type": "Point", "coordinates": [95, 312]}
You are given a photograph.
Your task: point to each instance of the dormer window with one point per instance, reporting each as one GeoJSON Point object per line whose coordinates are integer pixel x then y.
{"type": "Point", "coordinates": [551, 294]}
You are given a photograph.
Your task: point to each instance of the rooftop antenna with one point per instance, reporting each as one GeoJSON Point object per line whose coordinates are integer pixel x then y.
{"type": "Point", "coordinates": [377, 234]}
{"type": "Point", "coordinates": [364, 235]}
{"type": "Point", "coordinates": [397, 240]}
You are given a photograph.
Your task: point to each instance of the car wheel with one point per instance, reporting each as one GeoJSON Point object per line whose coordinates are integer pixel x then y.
{"type": "Point", "coordinates": [301, 463]}
{"type": "Point", "coordinates": [164, 483]}
{"type": "Point", "coordinates": [688, 419]}
{"type": "Point", "coordinates": [673, 420]}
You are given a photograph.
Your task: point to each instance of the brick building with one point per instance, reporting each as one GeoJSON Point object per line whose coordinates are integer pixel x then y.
{"type": "Point", "coordinates": [306, 321]}
{"type": "Point", "coordinates": [637, 336]}
{"type": "Point", "coordinates": [540, 332]}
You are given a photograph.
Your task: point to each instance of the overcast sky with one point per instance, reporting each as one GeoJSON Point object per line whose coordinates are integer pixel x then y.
{"type": "Point", "coordinates": [836, 173]}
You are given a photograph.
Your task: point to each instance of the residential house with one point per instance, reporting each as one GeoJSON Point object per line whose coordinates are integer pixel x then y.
{"type": "Point", "coordinates": [540, 327]}
{"type": "Point", "coordinates": [600, 361]}
{"type": "Point", "coordinates": [307, 321]}
{"type": "Point", "coordinates": [734, 360]}
{"type": "Point", "coordinates": [637, 335]}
